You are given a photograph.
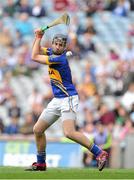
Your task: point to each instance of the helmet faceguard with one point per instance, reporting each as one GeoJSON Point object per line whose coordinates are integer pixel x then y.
{"type": "Point", "coordinates": [60, 38]}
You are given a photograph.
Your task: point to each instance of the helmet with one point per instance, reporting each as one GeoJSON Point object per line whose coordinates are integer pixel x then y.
{"type": "Point", "coordinates": [60, 37]}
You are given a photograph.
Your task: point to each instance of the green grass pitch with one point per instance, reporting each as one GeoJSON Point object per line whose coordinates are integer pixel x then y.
{"type": "Point", "coordinates": [66, 173]}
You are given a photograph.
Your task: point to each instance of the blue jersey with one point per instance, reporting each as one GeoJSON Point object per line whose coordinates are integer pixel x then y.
{"type": "Point", "coordinates": [60, 74]}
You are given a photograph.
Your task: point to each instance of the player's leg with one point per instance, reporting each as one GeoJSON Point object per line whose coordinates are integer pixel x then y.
{"type": "Point", "coordinates": [71, 133]}
{"type": "Point", "coordinates": [40, 139]}
{"type": "Point", "coordinates": [39, 132]}
{"type": "Point", "coordinates": [68, 115]}
{"type": "Point", "coordinates": [46, 119]}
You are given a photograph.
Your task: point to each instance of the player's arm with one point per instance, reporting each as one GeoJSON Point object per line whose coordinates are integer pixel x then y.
{"type": "Point", "coordinates": [43, 59]}
{"type": "Point", "coordinates": [43, 51]}
{"type": "Point", "coordinates": [36, 56]}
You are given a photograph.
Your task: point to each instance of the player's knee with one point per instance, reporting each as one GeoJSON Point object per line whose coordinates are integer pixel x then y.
{"type": "Point", "coordinates": [68, 134]}
{"type": "Point", "coordinates": [37, 130]}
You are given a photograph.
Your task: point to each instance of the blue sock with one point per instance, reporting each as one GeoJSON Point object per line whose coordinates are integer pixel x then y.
{"type": "Point", "coordinates": [95, 150]}
{"type": "Point", "coordinates": [41, 157]}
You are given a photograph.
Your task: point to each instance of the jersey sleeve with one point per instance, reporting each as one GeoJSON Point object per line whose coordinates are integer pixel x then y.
{"type": "Point", "coordinates": [47, 51]}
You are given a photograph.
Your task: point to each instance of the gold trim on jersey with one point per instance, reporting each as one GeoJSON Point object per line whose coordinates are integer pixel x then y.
{"type": "Point", "coordinates": [50, 63]}
{"type": "Point", "coordinates": [54, 74]}
{"type": "Point", "coordinates": [45, 51]}
{"type": "Point", "coordinates": [47, 60]}
{"type": "Point", "coordinates": [60, 85]}
{"type": "Point", "coordinates": [58, 82]}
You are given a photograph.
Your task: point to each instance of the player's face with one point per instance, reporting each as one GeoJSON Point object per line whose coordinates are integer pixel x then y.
{"type": "Point", "coordinates": [58, 47]}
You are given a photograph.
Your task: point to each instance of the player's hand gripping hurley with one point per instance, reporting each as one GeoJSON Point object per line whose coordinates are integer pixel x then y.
{"type": "Point", "coordinates": [64, 19]}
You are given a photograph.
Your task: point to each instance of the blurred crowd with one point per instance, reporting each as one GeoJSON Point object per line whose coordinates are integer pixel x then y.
{"type": "Point", "coordinates": [105, 81]}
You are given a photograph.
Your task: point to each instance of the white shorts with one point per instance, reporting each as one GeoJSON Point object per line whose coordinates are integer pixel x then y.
{"type": "Point", "coordinates": [65, 108]}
